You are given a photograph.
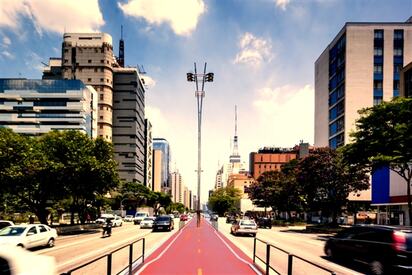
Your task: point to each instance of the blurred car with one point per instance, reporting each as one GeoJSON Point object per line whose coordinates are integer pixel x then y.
{"type": "Point", "coordinates": [28, 235]}
{"type": "Point", "coordinates": [103, 217]}
{"type": "Point", "coordinates": [230, 219]}
{"type": "Point", "coordinates": [183, 217]}
{"type": "Point", "coordinates": [4, 224]}
{"type": "Point", "coordinates": [244, 227]}
{"type": "Point", "coordinates": [128, 218]}
{"type": "Point", "coordinates": [385, 249]}
{"type": "Point", "coordinates": [140, 216]}
{"type": "Point", "coordinates": [117, 221]}
{"type": "Point", "coordinates": [15, 260]}
{"type": "Point", "coordinates": [214, 217]}
{"type": "Point", "coordinates": [147, 222]}
{"type": "Point", "coordinates": [264, 222]}
{"type": "Point", "coordinates": [163, 223]}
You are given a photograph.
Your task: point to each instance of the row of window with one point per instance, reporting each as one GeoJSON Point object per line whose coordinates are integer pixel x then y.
{"type": "Point", "coordinates": [397, 34]}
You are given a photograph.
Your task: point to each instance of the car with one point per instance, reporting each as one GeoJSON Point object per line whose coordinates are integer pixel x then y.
{"type": "Point", "coordinates": [163, 223]}
{"type": "Point", "coordinates": [230, 219]}
{"type": "Point", "coordinates": [4, 224]}
{"type": "Point", "coordinates": [128, 218]}
{"type": "Point", "coordinates": [117, 221]}
{"type": "Point", "coordinates": [385, 249]}
{"type": "Point", "coordinates": [147, 222]}
{"type": "Point", "coordinates": [264, 222]}
{"type": "Point", "coordinates": [102, 219]}
{"type": "Point", "coordinates": [139, 216]}
{"type": "Point", "coordinates": [244, 227]}
{"type": "Point", "coordinates": [214, 217]}
{"type": "Point", "coordinates": [15, 260]}
{"type": "Point", "coordinates": [183, 217]}
{"type": "Point", "coordinates": [28, 235]}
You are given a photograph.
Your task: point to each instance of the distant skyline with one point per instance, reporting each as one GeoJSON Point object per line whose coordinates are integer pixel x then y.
{"type": "Point", "coordinates": [262, 53]}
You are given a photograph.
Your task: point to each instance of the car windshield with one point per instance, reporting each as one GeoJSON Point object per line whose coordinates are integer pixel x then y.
{"type": "Point", "coordinates": [140, 214]}
{"type": "Point", "coordinates": [12, 231]}
{"type": "Point", "coordinates": [148, 219]}
{"type": "Point", "coordinates": [248, 223]}
{"type": "Point", "coordinates": [162, 219]}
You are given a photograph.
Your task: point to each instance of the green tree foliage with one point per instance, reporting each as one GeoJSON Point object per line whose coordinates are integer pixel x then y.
{"type": "Point", "coordinates": [326, 181]}
{"type": "Point", "coordinates": [176, 206]}
{"type": "Point", "coordinates": [64, 165]}
{"type": "Point", "coordinates": [383, 137]}
{"type": "Point", "coordinates": [224, 199]}
{"type": "Point", "coordinates": [265, 191]}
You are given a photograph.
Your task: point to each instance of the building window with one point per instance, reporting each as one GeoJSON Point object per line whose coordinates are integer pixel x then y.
{"type": "Point", "coordinates": [397, 68]}
{"type": "Point", "coordinates": [377, 68]}
{"type": "Point", "coordinates": [101, 97]}
{"type": "Point", "coordinates": [101, 117]}
{"type": "Point", "coordinates": [377, 85]}
{"type": "Point", "coordinates": [80, 70]}
{"type": "Point", "coordinates": [102, 70]}
{"type": "Point", "coordinates": [378, 34]}
{"type": "Point", "coordinates": [66, 50]}
{"type": "Point", "coordinates": [397, 52]}
{"type": "Point", "coordinates": [101, 107]}
{"type": "Point", "coordinates": [101, 126]}
{"type": "Point", "coordinates": [89, 79]}
{"type": "Point", "coordinates": [398, 35]}
{"type": "Point", "coordinates": [89, 61]}
{"type": "Point", "coordinates": [95, 70]}
{"type": "Point", "coordinates": [101, 79]}
{"type": "Point", "coordinates": [377, 100]}
{"type": "Point", "coordinates": [66, 61]}
{"type": "Point", "coordinates": [102, 61]}
{"type": "Point", "coordinates": [396, 85]}
{"type": "Point", "coordinates": [377, 51]}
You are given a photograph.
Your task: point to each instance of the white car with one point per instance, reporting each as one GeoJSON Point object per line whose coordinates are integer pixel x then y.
{"type": "Point", "coordinates": [28, 235]}
{"type": "Point", "coordinates": [147, 222]}
{"type": "Point", "coordinates": [103, 217]}
{"type": "Point", "coordinates": [4, 224]}
{"type": "Point", "coordinates": [117, 221]}
{"type": "Point", "coordinates": [128, 218]}
{"type": "Point", "coordinates": [139, 216]}
{"type": "Point", "coordinates": [244, 227]}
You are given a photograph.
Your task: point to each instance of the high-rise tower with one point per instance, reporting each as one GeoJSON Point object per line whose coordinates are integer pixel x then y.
{"type": "Point", "coordinates": [120, 60]}
{"type": "Point", "coordinates": [235, 157]}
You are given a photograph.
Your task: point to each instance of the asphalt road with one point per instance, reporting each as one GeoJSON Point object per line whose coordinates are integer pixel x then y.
{"type": "Point", "coordinates": [72, 251]}
{"type": "Point", "coordinates": [307, 246]}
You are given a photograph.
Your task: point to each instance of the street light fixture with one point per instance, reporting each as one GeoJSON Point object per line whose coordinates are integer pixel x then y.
{"type": "Point", "coordinates": [199, 94]}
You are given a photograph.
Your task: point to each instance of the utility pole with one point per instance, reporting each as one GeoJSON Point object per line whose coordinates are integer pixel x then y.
{"type": "Point", "coordinates": [199, 94]}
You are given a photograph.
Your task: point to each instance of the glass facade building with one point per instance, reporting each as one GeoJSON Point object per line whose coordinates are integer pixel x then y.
{"type": "Point", "coordinates": [163, 145]}
{"type": "Point", "coordinates": [34, 107]}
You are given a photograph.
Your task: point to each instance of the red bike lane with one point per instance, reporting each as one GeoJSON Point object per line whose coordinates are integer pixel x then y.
{"type": "Point", "coordinates": [198, 250]}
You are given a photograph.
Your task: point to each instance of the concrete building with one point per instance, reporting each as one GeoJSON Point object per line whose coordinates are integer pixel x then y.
{"type": "Point", "coordinates": [89, 57]}
{"type": "Point", "coordinates": [241, 181]}
{"type": "Point", "coordinates": [358, 69]}
{"type": "Point", "coordinates": [186, 197]}
{"type": "Point", "coordinates": [149, 155]}
{"type": "Point", "coordinates": [163, 145]}
{"type": "Point", "coordinates": [177, 187]}
{"type": "Point", "coordinates": [270, 159]}
{"type": "Point", "coordinates": [34, 107]}
{"type": "Point", "coordinates": [54, 69]}
{"type": "Point", "coordinates": [128, 124]}
{"type": "Point", "coordinates": [406, 81]}
{"type": "Point", "coordinates": [157, 170]}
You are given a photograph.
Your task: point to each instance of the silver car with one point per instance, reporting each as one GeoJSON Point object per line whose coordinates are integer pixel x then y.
{"type": "Point", "coordinates": [28, 235]}
{"type": "Point", "coordinates": [244, 227]}
{"type": "Point", "coordinates": [147, 222]}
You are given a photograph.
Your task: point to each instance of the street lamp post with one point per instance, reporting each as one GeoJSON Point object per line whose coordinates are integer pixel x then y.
{"type": "Point", "coordinates": [199, 94]}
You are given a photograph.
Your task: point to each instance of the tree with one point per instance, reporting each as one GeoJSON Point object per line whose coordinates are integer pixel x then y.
{"type": "Point", "coordinates": [224, 199]}
{"type": "Point", "coordinates": [176, 206]}
{"type": "Point", "coordinates": [383, 138]}
{"type": "Point", "coordinates": [158, 200]}
{"type": "Point", "coordinates": [326, 181]}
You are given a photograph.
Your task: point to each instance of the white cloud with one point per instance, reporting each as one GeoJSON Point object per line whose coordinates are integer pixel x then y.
{"type": "Point", "coordinates": [52, 15]}
{"type": "Point", "coordinates": [254, 50]}
{"type": "Point", "coordinates": [148, 81]}
{"type": "Point", "coordinates": [282, 3]}
{"type": "Point", "coordinates": [33, 61]}
{"type": "Point", "coordinates": [286, 112]}
{"type": "Point", "coordinates": [7, 54]}
{"type": "Point", "coordinates": [6, 42]}
{"type": "Point", "coordinates": [160, 123]}
{"type": "Point", "coordinates": [182, 15]}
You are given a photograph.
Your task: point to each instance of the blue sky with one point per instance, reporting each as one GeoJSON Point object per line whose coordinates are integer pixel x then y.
{"type": "Point", "coordinates": [261, 51]}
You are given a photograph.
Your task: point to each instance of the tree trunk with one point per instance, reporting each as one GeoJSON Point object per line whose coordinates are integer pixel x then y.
{"type": "Point", "coordinates": [42, 214]}
{"type": "Point", "coordinates": [72, 211]}
{"type": "Point", "coordinates": [409, 201]}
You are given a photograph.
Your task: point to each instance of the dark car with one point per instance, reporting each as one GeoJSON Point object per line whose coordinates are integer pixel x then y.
{"type": "Point", "coordinates": [264, 222]}
{"type": "Point", "coordinates": [230, 219]}
{"type": "Point", "coordinates": [386, 249]}
{"type": "Point", "coordinates": [214, 217]}
{"type": "Point", "coordinates": [163, 223]}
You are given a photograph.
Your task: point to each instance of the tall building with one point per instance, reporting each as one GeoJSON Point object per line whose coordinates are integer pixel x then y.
{"type": "Point", "coordinates": [149, 155]}
{"type": "Point", "coordinates": [358, 69]}
{"type": "Point", "coordinates": [129, 124]}
{"type": "Point", "coordinates": [270, 159]}
{"type": "Point", "coordinates": [406, 81]}
{"type": "Point", "coordinates": [163, 145]}
{"type": "Point", "coordinates": [34, 106]}
{"type": "Point", "coordinates": [89, 57]}
{"type": "Point", "coordinates": [186, 197]}
{"type": "Point", "coordinates": [157, 170]}
{"type": "Point", "coordinates": [177, 187]}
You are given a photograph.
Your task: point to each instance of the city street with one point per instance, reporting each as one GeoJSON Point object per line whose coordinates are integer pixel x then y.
{"type": "Point", "coordinates": [307, 246]}
{"type": "Point", "coordinates": [72, 251]}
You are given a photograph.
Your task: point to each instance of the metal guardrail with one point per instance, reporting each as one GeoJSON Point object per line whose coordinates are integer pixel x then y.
{"type": "Point", "coordinates": [266, 261]}
{"type": "Point", "coordinates": [109, 259]}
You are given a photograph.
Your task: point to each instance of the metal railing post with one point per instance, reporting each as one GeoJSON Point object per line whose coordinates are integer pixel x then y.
{"type": "Point", "coordinates": [267, 258]}
{"type": "Point", "coordinates": [254, 250]}
{"type": "Point", "coordinates": [290, 264]}
{"type": "Point", "coordinates": [130, 258]}
{"type": "Point", "coordinates": [109, 264]}
{"type": "Point", "coordinates": [144, 244]}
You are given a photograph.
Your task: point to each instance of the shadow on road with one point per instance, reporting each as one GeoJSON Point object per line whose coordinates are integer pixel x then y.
{"type": "Point", "coordinates": [356, 266]}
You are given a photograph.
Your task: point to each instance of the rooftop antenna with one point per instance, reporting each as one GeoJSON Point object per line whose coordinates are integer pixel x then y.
{"type": "Point", "coordinates": [121, 48]}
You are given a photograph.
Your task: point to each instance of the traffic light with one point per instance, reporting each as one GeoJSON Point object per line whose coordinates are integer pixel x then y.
{"type": "Point", "coordinates": [209, 77]}
{"type": "Point", "coordinates": [190, 77]}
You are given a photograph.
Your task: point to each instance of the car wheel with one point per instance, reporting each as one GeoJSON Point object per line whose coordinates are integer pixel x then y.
{"type": "Point", "coordinates": [50, 243]}
{"type": "Point", "coordinates": [20, 245]}
{"type": "Point", "coordinates": [376, 267]}
{"type": "Point", "coordinates": [329, 252]}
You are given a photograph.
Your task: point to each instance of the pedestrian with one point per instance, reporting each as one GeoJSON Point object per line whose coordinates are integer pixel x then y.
{"type": "Point", "coordinates": [31, 219]}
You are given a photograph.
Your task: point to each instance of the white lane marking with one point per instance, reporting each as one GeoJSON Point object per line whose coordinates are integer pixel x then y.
{"type": "Point", "coordinates": [58, 247]}
{"type": "Point", "coordinates": [99, 251]}
{"type": "Point", "coordinates": [161, 254]}
{"type": "Point", "coordinates": [237, 256]}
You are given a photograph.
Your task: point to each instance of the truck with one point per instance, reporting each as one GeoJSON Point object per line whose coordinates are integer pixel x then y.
{"type": "Point", "coordinates": [142, 213]}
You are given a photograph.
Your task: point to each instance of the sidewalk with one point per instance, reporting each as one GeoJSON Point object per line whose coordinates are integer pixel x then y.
{"type": "Point", "coordinates": [198, 251]}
